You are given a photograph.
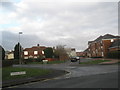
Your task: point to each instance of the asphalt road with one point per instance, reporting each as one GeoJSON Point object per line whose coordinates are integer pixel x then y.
{"type": "Point", "coordinates": [109, 80]}
{"type": "Point", "coordinates": [92, 76]}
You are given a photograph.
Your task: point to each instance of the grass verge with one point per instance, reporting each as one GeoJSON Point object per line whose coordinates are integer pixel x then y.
{"type": "Point", "coordinates": [94, 62]}
{"type": "Point", "coordinates": [30, 72]}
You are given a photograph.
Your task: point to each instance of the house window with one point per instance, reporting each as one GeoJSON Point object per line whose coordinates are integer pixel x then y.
{"type": "Point", "coordinates": [102, 54]}
{"type": "Point", "coordinates": [30, 56]}
{"type": "Point", "coordinates": [112, 40]}
{"type": "Point", "coordinates": [35, 56]}
{"type": "Point", "coordinates": [25, 57]}
{"type": "Point", "coordinates": [25, 52]}
{"type": "Point", "coordinates": [96, 50]}
{"type": "Point", "coordinates": [35, 52]}
{"type": "Point", "coordinates": [42, 52]}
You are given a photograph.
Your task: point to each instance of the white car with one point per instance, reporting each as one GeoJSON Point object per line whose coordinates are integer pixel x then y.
{"type": "Point", "coordinates": [78, 58]}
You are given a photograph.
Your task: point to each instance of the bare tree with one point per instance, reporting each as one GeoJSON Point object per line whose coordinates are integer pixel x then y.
{"type": "Point", "coordinates": [61, 52]}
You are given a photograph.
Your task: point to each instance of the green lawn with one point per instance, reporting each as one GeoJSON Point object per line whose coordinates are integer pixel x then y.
{"type": "Point", "coordinates": [50, 62]}
{"type": "Point", "coordinates": [94, 61]}
{"type": "Point", "coordinates": [30, 72]}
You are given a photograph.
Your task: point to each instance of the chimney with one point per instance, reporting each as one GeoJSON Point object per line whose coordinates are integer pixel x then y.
{"type": "Point", "coordinates": [38, 45]}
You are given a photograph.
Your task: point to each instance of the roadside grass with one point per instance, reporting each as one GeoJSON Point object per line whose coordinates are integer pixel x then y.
{"type": "Point", "coordinates": [94, 62]}
{"type": "Point", "coordinates": [49, 62]}
{"type": "Point", "coordinates": [30, 72]}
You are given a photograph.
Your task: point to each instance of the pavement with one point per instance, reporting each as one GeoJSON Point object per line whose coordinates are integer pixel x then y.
{"type": "Point", "coordinates": [112, 61]}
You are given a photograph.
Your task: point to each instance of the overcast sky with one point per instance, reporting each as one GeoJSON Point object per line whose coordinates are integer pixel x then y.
{"type": "Point", "coordinates": [55, 22]}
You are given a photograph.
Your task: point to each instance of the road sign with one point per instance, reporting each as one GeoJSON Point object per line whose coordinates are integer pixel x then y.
{"type": "Point", "coordinates": [17, 73]}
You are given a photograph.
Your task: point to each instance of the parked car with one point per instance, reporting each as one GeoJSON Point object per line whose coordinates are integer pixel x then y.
{"type": "Point", "coordinates": [78, 58]}
{"type": "Point", "coordinates": [73, 59]}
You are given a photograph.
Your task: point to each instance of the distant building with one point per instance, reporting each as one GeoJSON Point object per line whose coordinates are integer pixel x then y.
{"type": "Point", "coordinates": [9, 55]}
{"type": "Point", "coordinates": [80, 54]}
{"type": "Point", "coordinates": [100, 46]}
{"type": "Point", "coordinates": [34, 52]}
{"type": "Point", "coordinates": [71, 52]}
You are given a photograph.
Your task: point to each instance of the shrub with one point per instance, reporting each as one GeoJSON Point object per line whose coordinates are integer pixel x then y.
{"type": "Point", "coordinates": [32, 60]}
{"type": "Point", "coordinates": [6, 63]}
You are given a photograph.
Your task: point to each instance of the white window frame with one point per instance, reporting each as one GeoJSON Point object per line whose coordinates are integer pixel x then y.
{"type": "Point", "coordinates": [102, 54]}
{"type": "Point", "coordinates": [25, 57]}
{"type": "Point", "coordinates": [35, 56]}
{"type": "Point", "coordinates": [25, 52]}
{"type": "Point", "coordinates": [35, 52]}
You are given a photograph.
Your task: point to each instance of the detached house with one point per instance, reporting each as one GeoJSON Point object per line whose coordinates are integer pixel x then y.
{"type": "Point", "coordinates": [9, 55]}
{"type": "Point", "coordinates": [101, 46]}
{"type": "Point", "coordinates": [34, 52]}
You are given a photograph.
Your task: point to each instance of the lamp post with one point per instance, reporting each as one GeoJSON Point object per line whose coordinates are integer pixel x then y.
{"type": "Point", "coordinates": [19, 49]}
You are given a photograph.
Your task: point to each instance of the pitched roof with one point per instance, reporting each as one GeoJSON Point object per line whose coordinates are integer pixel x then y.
{"type": "Point", "coordinates": [86, 50]}
{"type": "Point", "coordinates": [90, 42]}
{"type": "Point", "coordinates": [35, 48]}
{"type": "Point", "coordinates": [99, 38]}
{"type": "Point", "coordinates": [106, 36]}
{"type": "Point", "coordinates": [116, 43]}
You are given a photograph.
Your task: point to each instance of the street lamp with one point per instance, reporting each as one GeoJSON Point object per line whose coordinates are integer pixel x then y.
{"type": "Point", "coordinates": [19, 49]}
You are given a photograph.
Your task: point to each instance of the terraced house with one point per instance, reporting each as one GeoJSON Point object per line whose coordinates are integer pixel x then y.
{"type": "Point", "coordinates": [101, 46]}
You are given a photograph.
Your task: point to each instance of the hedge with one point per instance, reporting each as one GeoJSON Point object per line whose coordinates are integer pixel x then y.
{"type": "Point", "coordinates": [6, 63]}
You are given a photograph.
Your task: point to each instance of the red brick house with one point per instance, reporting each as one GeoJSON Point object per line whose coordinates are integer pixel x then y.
{"type": "Point", "coordinates": [33, 52]}
{"type": "Point", "coordinates": [100, 46]}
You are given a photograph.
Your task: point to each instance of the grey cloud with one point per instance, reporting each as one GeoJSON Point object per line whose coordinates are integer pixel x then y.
{"type": "Point", "coordinates": [9, 40]}
{"type": "Point", "coordinates": [72, 24]}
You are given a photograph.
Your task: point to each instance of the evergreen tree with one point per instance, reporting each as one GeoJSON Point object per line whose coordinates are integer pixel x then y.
{"type": "Point", "coordinates": [2, 53]}
{"type": "Point", "coordinates": [17, 51]}
{"type": "Point", "coordinates": [48, 53]}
